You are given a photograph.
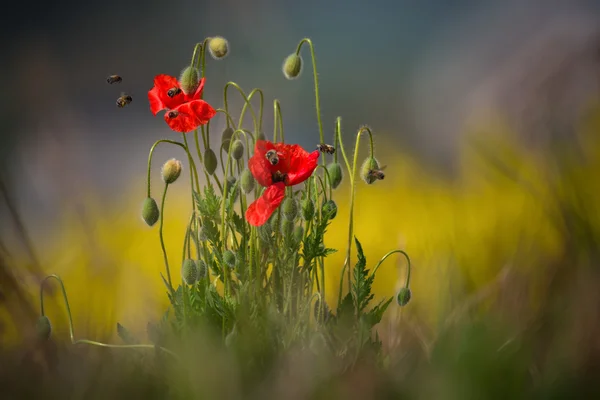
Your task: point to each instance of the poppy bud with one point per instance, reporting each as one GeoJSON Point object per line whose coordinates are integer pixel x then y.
{"type": "Point", "coordinates": [189, 272]}
{"type": "Point", "coordinates": [247, 181]}
{"type": "Point", "coordinates": [404, 296]}
{"type": "Point", "coordinates": [308, 209]}
{"type": "Point", "coordinates": [289, 208]}
{"type": "Point", "coordinates": [202, 270]}
{"type": "Point", "coordinates": [292, 66]}
{"type": "Point", "coordinates": [210, 161]}
{"type": "Point", "coordinates": [43, 327]}
{"type": "Point", "coordinates": [275, 221]}
{"type": "Point", "coordinates": [150, 211]}
{"type": "Point", "coordinates": [226, 137]}
{"type": "Point", "coordinates": [335, 174]}
{"type": "Point", "coordinates": [370, 164]}
{"type": "Point", "coordinates": [264, 232]}
{"type": "Point", "coordinates": [171, 170]}
{"type": "Point", "coordinates": [261, 136]}
{"type": "Point", "coordinates": [298, 233]}
{"type": "Point", "coordinates": [329, 209]}
{"type": "Point", "coordinates": [229, 258]}
{"type": "Point", "coordinates": [189, 80]}
{"type": "Point", "coordinates": [218, 47]}
{"type": "Point", "coordinates": [237, 149]}
{"type": "Point", "coordinates": [287, 226]}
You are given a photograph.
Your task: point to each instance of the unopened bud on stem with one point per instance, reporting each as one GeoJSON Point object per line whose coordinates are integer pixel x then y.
{"type": "Point", "coordinates": [189, 80]}
{"type": "Point", "coordinates": [171, 170]}
{"type": "Point", "coordinates": [292, 66]}
{"type": "Point", "coordinates": [150, 211]}
{"type": "Point", "coordinates": [218, 47]}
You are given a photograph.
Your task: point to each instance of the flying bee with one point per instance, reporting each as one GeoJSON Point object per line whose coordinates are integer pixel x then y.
{"type": "Point", "coordinates": [114, 79]}
{"type": "Point", "coordinates": [378, 173]}
{"type": "Point", "coordinates": [326, 148]}
{"type": "Point", "coordinates": [272, 157]}
{"type": "Point", "coordinates": [174, 91]}
{"type": "Point", "coordinates": [172, 114]}
{"type": "Point", "coordinates": [124, 100]}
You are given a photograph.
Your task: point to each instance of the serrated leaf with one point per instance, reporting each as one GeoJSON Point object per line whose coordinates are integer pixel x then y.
{"type": "Point", "coordinates": [362, 282]}
{"type": "Point", "coordinates": [376, 314]}
{"type": "Point", "coordinates": [125, 336]}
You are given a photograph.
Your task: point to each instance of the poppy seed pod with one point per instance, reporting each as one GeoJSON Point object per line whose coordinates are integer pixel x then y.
{"type": "Point", "coordinates": [237, 149]}
{"type": "Point", "coordinates": [370, 164]}
{"type": "Point", "coordinates": [43, 327]}
{"type": "Point", "coordinates": [289, 208]}
{"type": "Point", "coordinates": [171, 170]}
{"type": "Point", "coordinates": [229, 258]}
{"type": "Point", "coordinates": [189, 272]}
{"type": "Point", "coordinates": [189, 80]}
{"type": "Point", "coordinates": [247, 181]}
{"type": "Point", "coordinates": [308, 209]}
{"type": "Point", "coordinates": [210, 161]}
{"type": "Point", "coordinates": [329, 209]}
{"type": "Point", "coordinates": [226, 137]}
{"type": "Point", "coordinates": [218, 47]}
{"type": "Point", "coordinates": [335, 174]}
{"type": "Point", "coordinates": [150, 211]}
{"type": "Point", "coordinates": [202, 269]}
{"type": "Point", "coordinates": [404, 296]}
{"type": "Point", "coordinates": [292, 66]}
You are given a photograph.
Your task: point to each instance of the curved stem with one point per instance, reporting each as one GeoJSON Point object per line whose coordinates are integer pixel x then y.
{"type": "Point", "coordinates": [328, 180]}
{"type": "Point", "coordinates": [316, 78]}
{"type": "Point", "coordinates": [160, 233]}
{"type": "Point", "coordinates": [72, 330]}
{"type": "Point", "coordinates": [193, 170]}
{"type": "Point", "coordinates": [407, 264]}
{"type": "Point", "coordinates": [228, 118]}
{"type": "Point", "coordinates": [152, 153]}
{"type": "Point", "coordinates": [260, 110]}
{"type": "Point", "coordinates": [277, 120]}
{"type": "Point", "coordinates": [239, 89]}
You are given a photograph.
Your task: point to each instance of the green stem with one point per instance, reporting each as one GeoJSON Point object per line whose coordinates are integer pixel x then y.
{"type": "Point", "coordinates": [239, 89]}
{"type": "Point", "coordinates": [152, 153]}
{"type": "Point", "coordinates": [86, 341]}
{"type": "Point", "coordinates": [315, 75]}
{"type": "Point", "coordinates": [194, 171]}
{"type": "Point", "coordinates": [408, 269]}
{"type": "Point", "coordinates": [278, 120]}
{"type": "Point", "coordinates": [260, 110]}
{"type": "Point", "coordinates": [160, 233]}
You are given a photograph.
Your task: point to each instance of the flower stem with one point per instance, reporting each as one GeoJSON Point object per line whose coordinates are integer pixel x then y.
{"type": "Point", "coordinates": [316, 78]}
{"type": "Point", "coordinates": [260, 109]}
{"type": "Point", "coordinates": [278, 121]}
{"type": "Point", "coordinates": [152, 153]}
{"type": "Point", "coordinates": [160, 233]}
{"type": "Point", "coordinates": [239, 89]}
{"type": "Point", "coordinates": [407, 283]}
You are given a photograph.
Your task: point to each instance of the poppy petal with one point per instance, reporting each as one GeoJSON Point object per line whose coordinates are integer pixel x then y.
{"type": "Point", "coordinates": [189, 116]}
{"type": "Point", "coordinates": [260, 167]}
{"type": "Point", "coordinates": [162, 84]}
{"type": "Point", "coordinates": [260, 211]}
{"type": "Point", "coordinates": [156, 103]}
{"type": "Point", "coordinates": [196, 95]}
{"type": "Point", "coordinates": [200, 109]}
{"type": "Point", "coordinates": [302, 165]}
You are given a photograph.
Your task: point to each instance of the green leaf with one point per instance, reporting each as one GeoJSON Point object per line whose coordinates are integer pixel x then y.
{"type": "Point", "coordinates": [362, 282]}
{"type": "Point", "coordinates": [376, 314]}
{"type": "Point", "coordinates": [210, 205]}
{"type": "Point", "coordinates": [125, 336]}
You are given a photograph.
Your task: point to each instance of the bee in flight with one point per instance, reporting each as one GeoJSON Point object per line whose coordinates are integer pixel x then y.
{"type": "Point", "coordinates": [378, 173]}
{"type": "Point", "coordinates": [326, 148]}
{"type": "Point", "coordinates": [173, 92]}
{"type": "Point", "coordinates": [114, 79]}
{"type": "Point", "coordinates": [272, 157]}
{"type": "Point", "coordinates": [124, 100]}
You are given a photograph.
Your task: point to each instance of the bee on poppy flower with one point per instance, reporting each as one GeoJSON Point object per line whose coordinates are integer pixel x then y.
{"type": "Point", "coordinates": [124, 100]}
{"type": "Point", "coordinates": [278, 177]}
{"type": "Point", "coordinates": [271, 155]}
{"type": "Point", "coordinates": [172, 114]}
{"type": "Point", "coordinates": [114, 79]}
{"type": "Point", "coordinates": [326, 148]}
{"type": "Point", "coordinates": [174, 91]}
{"type": "Point", "coordinates": [378, 173]}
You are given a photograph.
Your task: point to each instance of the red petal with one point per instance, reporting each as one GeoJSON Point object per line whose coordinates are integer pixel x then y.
{"type": "Point", "coordinates": [156, 103]}
{"type": "Point", "coordinates": [302, 165]}
{"type": "Point", "coordinates": [260, 167]}
{"type": "Point", "coordinates": [189, 116]}
{"type": "Point", "coordinates": [162, 84]}
{"type": "Point", "coordinates": [260, 211]}
{"type": "Point", "coordinates": [200, 109]}
{"type": "Point", "coordinates": [196, 95]}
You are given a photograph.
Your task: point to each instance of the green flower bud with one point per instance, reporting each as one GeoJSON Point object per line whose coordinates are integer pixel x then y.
{"type": "Point", "coordinates": [298, 234]}
{"type": "Point", "coordinates": [226, 137]}
{"type": "Point", "coordinates": [335, 174]}
{"type": "Point", "coordinates": [404, 296]}
{"type": "Point", "coordinates": [261, 136]}
{"type": "Point", "coordinates": [292, 66]}
{"type": "Point", "coordinates": [202, 269]}
{"type": "Point", "coordinates": [189, 272]}
{"type": "Point", "coordinates": [218, 47]}
{"type": "Point", "coordinates": [287, 226]}
{"type": "Point", "coordinates": [150, 211]}
{"type": "Point", "coordinates": [171, 170]}
{"type": "Point", "coordinates": [229, 258]}
{"type": "Point", "coordinates": [210, 161]}
{"type": "Point", "coordinates": [329, 208]}
{"type": "Point", "coordinates": [308, 209]}
{"type": "Point", "coordinates": [290, 208]}
{"type": "Point", "coordinates": [265, 232]}
{"type": "Point", "coordinates": [237, 149]}
{"type": "Point", "coordinates": [189, 80]}
{"type": "Point", "coordinates": [275, 221]}
{"type": "Point", "coordinates": [366, 170]}
{"type": "Point", "coordinates": [247, 181]}
{"type": "Point", "coordinates": [43, 327]}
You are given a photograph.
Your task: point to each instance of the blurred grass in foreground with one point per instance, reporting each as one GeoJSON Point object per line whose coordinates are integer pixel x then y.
{"type": "Point", "coordinates": [506, 279]}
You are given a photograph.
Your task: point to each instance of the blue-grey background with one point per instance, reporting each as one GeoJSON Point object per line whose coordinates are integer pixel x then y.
{"type": "Point", "coordinates": [414, 70]}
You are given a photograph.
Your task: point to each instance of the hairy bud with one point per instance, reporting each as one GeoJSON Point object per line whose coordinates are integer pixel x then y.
{"type": "Point", "coordinates": [210, 161]}
{"type": "Point", "coordinates": [189, 80]}
{"type": "Point", "coordinates": [218, 47]}
{"type": "Point", "coordinates": [287, 226]}
{"type": "Point", "coordinates": [329, 209]}
{"type": "Point", "coordinates": [308, 209]}
{"type": "Point", "coordinates": [171, 170]}
{"type": "Point", "coordinates": [335, 174]}
{"type": "Point", "coordinates": [43, 328]}
{"type": "Point", "coordinates": [229, 258]}
{"type": "Point", "coordinates": [150, 211]}
{"type": "Point", "coordinates": [202, 269]}
{"type": "Point", "coordinates": [289, 208]}
{"type": "Point", "coordinates": [292, 66]}
{"type": "Point", "coordinates": [298, 234]}
{"type": "Point", "coordinates": [237, 149]}
{"type": "Point", "coordinates": [369, 165]}
{"type": "Point", "coordinates": [189, 272]}
{"type": "Point", "coordinates": [247, 181]}
{"type": "Point", "coordinates": [404, 296]}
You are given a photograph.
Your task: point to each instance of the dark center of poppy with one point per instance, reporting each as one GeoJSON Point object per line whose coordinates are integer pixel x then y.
{"type": "Point", "coordinates": [278, 176]}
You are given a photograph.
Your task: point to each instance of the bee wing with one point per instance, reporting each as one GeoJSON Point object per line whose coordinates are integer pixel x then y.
{"type": "Point", "coordinates": [382, 168]}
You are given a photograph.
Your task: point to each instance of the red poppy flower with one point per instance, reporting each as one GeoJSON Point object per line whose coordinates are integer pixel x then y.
{"type": "Point", "coordinates": [186, 111]}
{"type": "Point", "coordinates": [277, 165]}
